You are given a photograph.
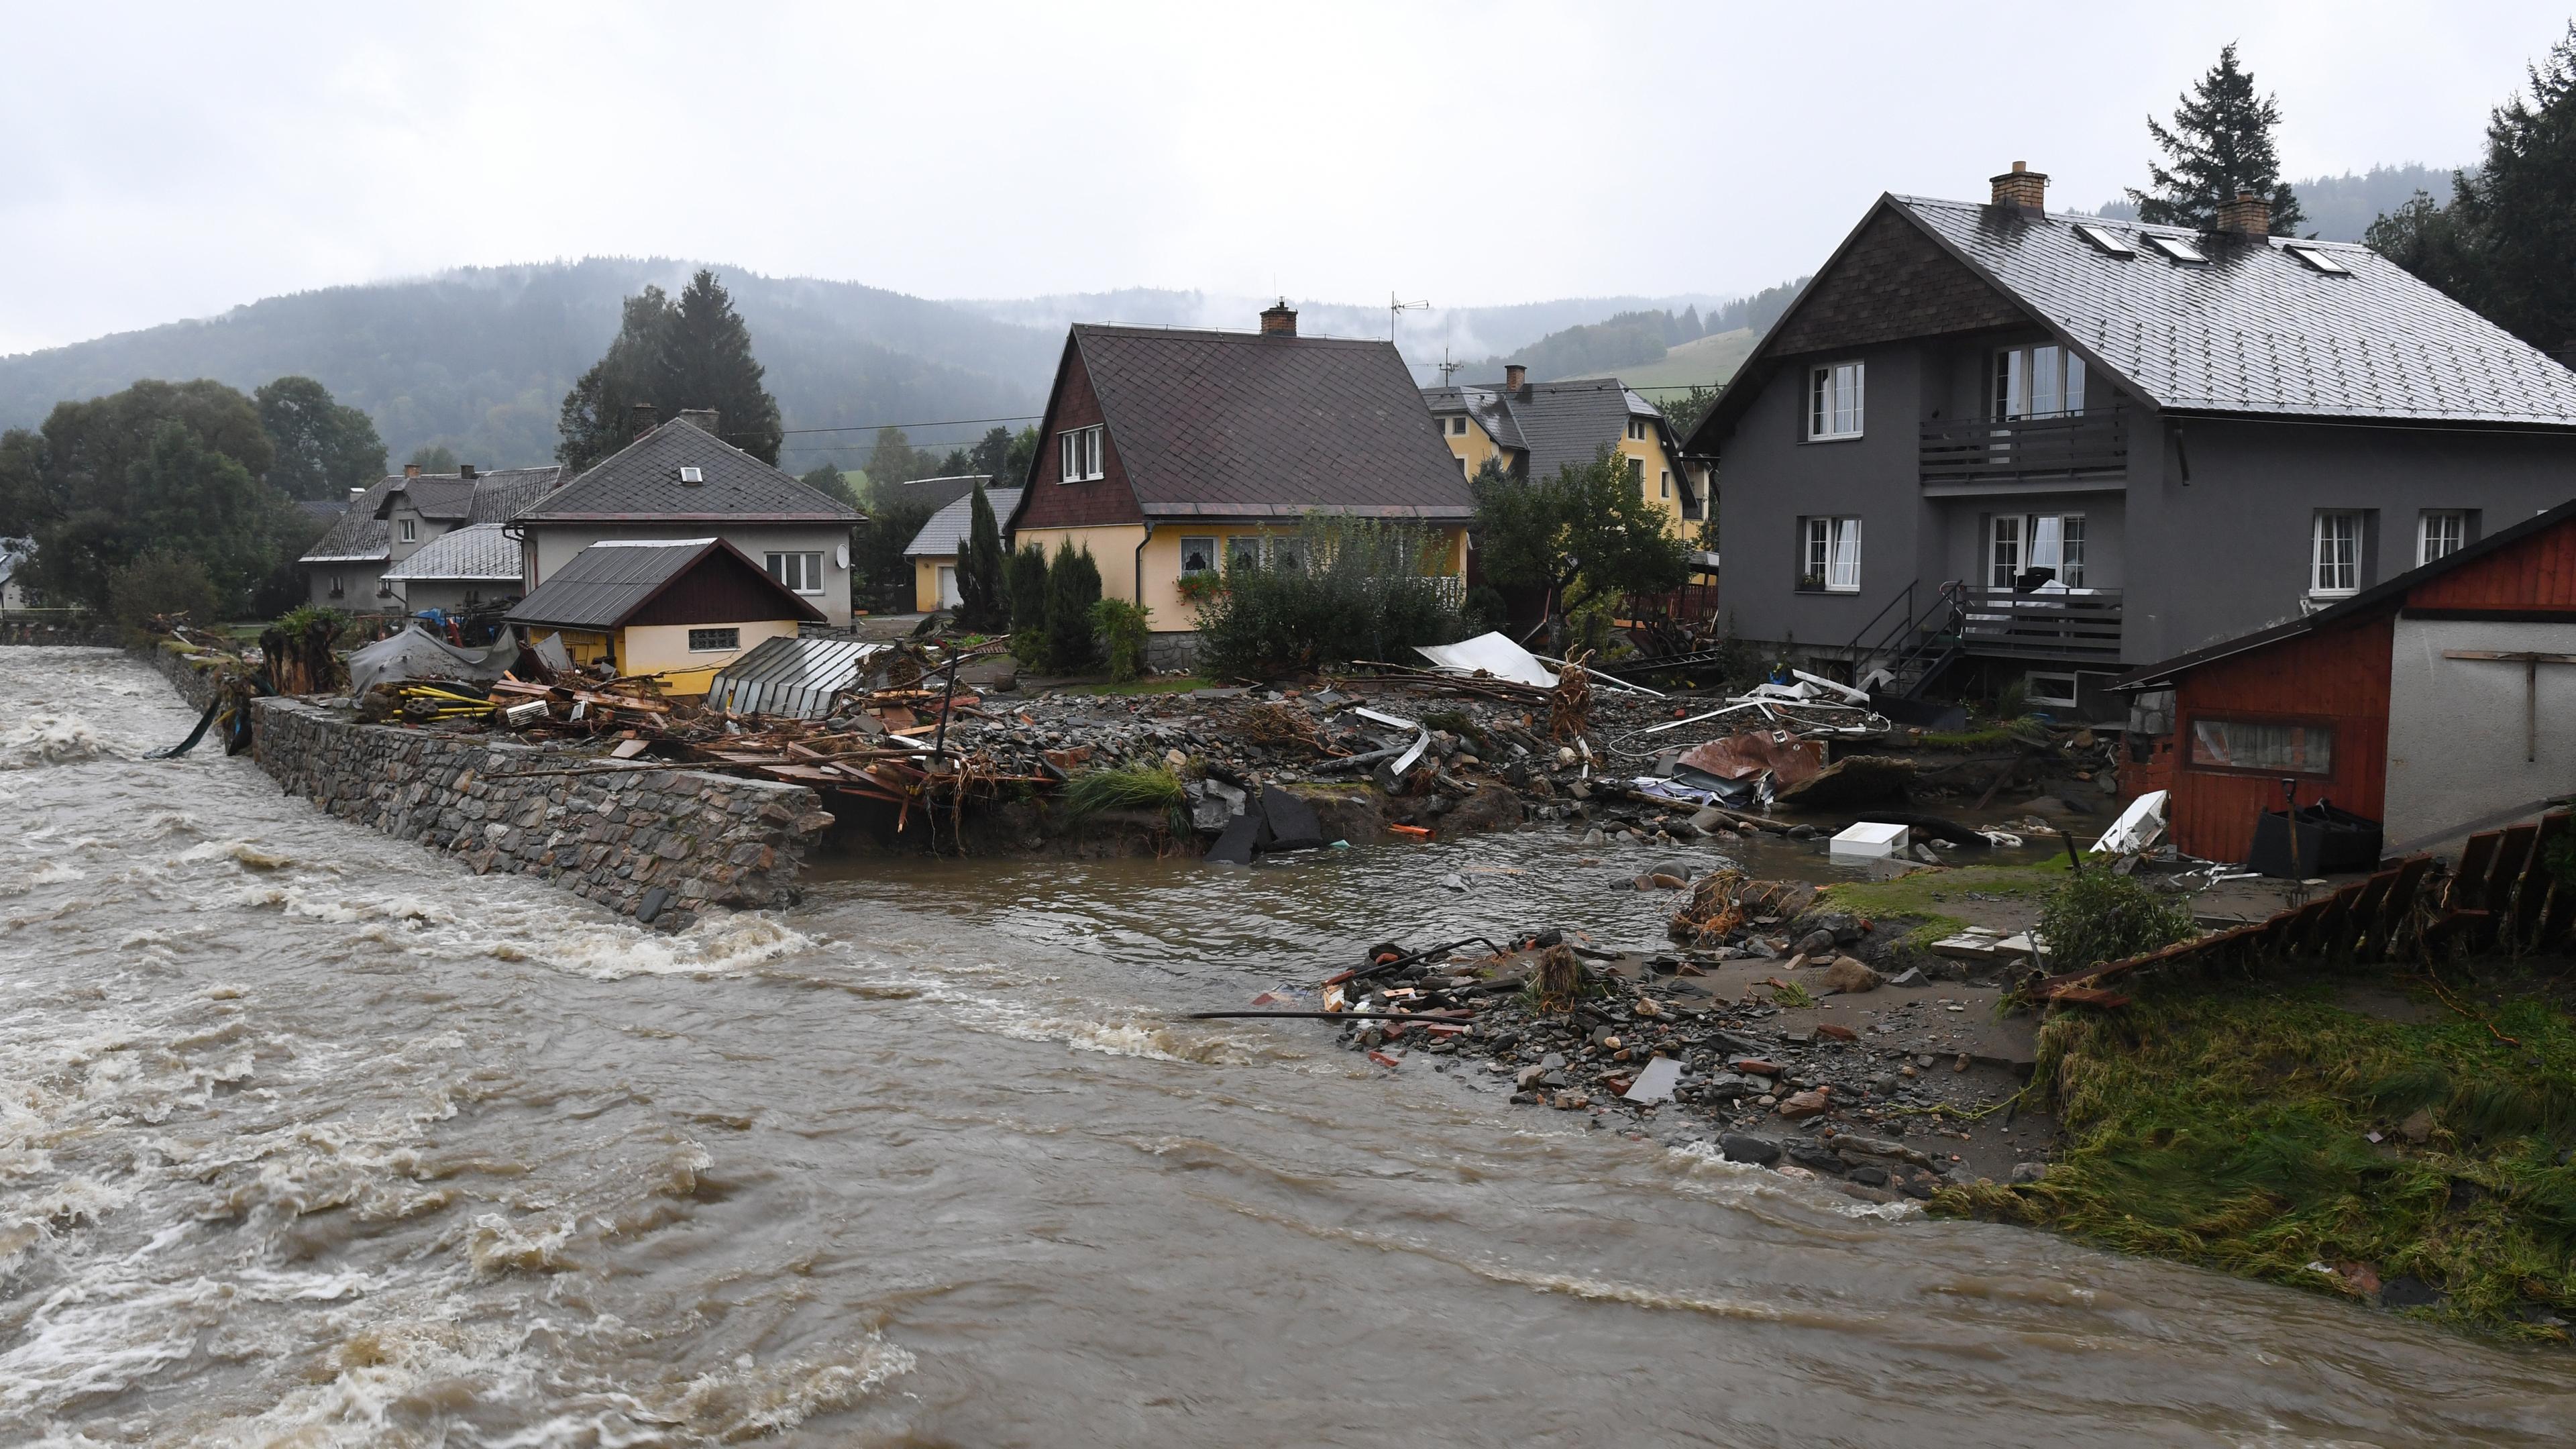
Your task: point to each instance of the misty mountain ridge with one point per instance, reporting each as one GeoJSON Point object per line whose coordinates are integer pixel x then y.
{"type": "Point", "coordinates": [2341, 208]}
{"type": "Point", "coordinates": [478, 359]}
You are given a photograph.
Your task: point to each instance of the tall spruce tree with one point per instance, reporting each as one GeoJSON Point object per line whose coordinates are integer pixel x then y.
{"type": "Point", "coordinates": [982, 590]}
{"type": "Point", "coordinates": [693, 353]}
{"type": "Point", "coordinates": [2219, 148]}
{"type": "Point", "coordinates": [2506, 245]}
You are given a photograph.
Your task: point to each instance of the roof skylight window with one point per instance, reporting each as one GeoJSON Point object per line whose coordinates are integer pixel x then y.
{"type": "Point", "coordinates": [2317, 258]}
{"type": "Point", "coordinates": [2176, 249]}
{"type": "Point", "coordinates": [2103, 238]}
{"type": "Point", "coordinates": [692, 473]}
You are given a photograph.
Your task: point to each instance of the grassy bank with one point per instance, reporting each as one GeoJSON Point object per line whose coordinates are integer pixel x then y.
{"type": "Point", "coordinates": [1921, 895]}
{"type": "Point", "coordinates": [2229, 1124]}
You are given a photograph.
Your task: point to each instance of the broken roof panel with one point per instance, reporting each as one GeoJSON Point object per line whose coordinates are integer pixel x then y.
{"type": "Point", "coordinates": [794, 677]}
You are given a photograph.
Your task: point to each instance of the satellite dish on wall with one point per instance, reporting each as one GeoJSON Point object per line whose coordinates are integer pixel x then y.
{"type": "Point", "coordinates": [841, 555]}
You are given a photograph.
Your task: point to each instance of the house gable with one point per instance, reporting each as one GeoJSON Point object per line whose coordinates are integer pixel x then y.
{"type": "Point", "coordinates": [1049, 501]}
{"type": "Point", "coordinates": [1890, 283]}
{"type": "Point", "coordinates": [722, 587]}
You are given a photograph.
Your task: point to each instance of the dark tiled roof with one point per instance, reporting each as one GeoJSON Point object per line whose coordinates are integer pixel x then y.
{"type": "Point", "coordinates": [642, 481]}
{"type": "Point", "coordinates": [478, 551]}
{"type": "Point", "coordinates": [443, 496]}
{"type": "Point", "coordinates": [500, 495]}
{"type": "Point", "coordinates": [360, 536]}
{"type": "Point", "coordinates": [604, 584]}
{"type": "Point", "coordinates": [2257, 330]}
{"type": "Point", "coordinates": [1552, 423]}
{"type": "Point", "coordinates": [945, 533]}
{"type": "Point", "coordinates": [1238, 425]}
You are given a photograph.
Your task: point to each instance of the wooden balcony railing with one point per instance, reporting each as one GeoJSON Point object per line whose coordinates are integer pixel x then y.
{"type": "Point", "coordinates": [1979, 449]}
{"type": "Point", "coordinates": [2074, 625]}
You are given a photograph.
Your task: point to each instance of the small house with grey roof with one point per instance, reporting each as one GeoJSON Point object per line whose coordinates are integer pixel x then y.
{"type": "Point", "coordinates": [677, 608]}
{"type": "Point", "coordinates": [679, 479]}
{"type": "Point", "coordinates": [1989, 440]}
{"type": "Point", "coordinates": [1170, 452]}
{"type": "Point", "coordinates": [934, 551]}
{"type": "Point", "coordinates": [385, 525]}
{"type": "Point", "coordinates": [1534, 429]}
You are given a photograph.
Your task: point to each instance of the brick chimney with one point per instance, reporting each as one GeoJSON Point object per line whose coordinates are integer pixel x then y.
{"type": "Point", "coordinates": [702, 419]}
{"type": "Point", "coordinates": [465, 471]}
{"type": "Point", "coordinates": [1279, 321]}
{"type": "Point", "coordinates": [642, 419]}
{"type": "Point", "coordinates": [411, 470]}
{"type": "Point", "coordinates": [2247, 215]}
{"type": "Point", "coordinates": [1515, 377]}
{"type": "Point", "coordinates": [2022, 189]}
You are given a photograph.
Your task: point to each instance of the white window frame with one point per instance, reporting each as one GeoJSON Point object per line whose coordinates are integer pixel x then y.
{"type": "Point", "coordinates": [2034, 538]}
{"type": "Point", "coordinates": [410, 530]}
{"type": "Point", "coordinates": [1836, 396]}
{"type": "Point", "coordinates": [1637, 475]}
{"type": "Point", "coordinates": [797, 571]}
{"type": "Point", "coordinates": [2038, 380]}
{"type": "Point", "coordinates": [1636, 430]}
{"type": "Point", "coordinates": [1079, 454]}
{"type": "Point", "coordinates": [1215, 553]}
{"type": "Point", "coordinates": [2334, 554]}
{"type": "Point", "coordinates": [1458, 427]}
{"type": "Point", "coordinates": [1830, 553]}
{"type": "Point", "coordinates": [1667, 483]}
{"type": "Point", "coordinates": [732, 644]}
{"type": "Point", "coordinates": [1242, 550]}
{"type": "Point", "coordinates": [2440, 533]}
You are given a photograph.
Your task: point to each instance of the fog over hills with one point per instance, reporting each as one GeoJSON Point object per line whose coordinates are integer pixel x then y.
{"type": "Point", "coordinates": [479, 359]}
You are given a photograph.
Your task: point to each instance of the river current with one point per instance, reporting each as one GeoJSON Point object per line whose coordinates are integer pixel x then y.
{"type": "Point", "coordinates": [309, 1137]}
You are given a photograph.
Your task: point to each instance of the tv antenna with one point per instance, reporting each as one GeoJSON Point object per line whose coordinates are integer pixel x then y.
{"type": "Point", "coordinates": [1395, 309]}
{"type": "Point", "coordinates": [1447, 366]}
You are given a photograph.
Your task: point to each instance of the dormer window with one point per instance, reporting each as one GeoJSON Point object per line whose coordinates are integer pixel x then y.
{"type": "Point", "coordinates": [1078, 454]}
{"type": "Point", "coordinates": [411, 530]}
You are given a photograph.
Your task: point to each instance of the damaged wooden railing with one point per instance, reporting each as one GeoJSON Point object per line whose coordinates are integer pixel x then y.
{"type": "Point", "coordinates": [2502, 896]}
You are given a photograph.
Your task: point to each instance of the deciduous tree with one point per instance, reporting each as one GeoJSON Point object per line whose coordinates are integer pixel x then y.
{"type": "Point", "coordinates": [323, 448]}
{"type": "Point", "coordinates": [1586, 532]}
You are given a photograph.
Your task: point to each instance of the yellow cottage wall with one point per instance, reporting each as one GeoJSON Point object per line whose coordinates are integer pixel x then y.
{"type": "Point", "coordinates": [664, 649]}
{"type": "Point", "coordinates": [1114, 549]}
{"type": "Point", "coordinates": [925, 580]}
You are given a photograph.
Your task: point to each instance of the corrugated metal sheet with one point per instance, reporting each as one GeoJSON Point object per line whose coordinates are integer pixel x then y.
{"type": "Point", "coordinates": [793, 677]}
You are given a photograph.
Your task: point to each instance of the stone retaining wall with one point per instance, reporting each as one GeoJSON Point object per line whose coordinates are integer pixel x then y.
{"type": "Point", "coordinates": [684, 840]}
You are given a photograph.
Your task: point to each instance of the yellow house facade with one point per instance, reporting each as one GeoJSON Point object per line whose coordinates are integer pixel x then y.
{"type": "Point", "coordinates": [1533, 429]}
{"type": "Point", "coordinates": [1170, 453]}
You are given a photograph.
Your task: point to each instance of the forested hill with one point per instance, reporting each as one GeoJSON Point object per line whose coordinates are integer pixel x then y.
{"type": "Point", "coordinates": [479, 359]}
{"type": "Point", "coordinates": [2341, 208]}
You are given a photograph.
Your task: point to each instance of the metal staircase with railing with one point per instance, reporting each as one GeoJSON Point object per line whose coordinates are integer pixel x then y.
{"type": "Point", "coordinates": [1918, 644]}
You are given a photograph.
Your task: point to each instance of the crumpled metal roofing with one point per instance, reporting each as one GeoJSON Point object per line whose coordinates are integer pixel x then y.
{"type": "Point", "coordinates": [793, 677]}
{"type": "Point", "coordinates": [2256, 330]}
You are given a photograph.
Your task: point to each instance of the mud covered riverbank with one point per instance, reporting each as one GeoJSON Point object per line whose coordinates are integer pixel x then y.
{"type": "Point", "coordinates": [312, 1136]}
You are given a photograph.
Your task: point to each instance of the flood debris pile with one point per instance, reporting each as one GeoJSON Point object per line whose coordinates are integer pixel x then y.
{"type": "Point", "coordinates": [1743, 1058]}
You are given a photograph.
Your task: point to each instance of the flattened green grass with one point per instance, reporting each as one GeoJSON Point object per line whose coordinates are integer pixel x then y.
{"type": "Point", "coordinates": [1917, 894]}
{"type": "Point", "coordinates": [1160, 684]}
{"type": "Point", "coordinates": [2226, 1124]}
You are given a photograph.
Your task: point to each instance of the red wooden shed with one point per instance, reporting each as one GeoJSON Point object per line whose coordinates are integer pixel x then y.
{"type": "Point", "coordinates": [2439, 702]}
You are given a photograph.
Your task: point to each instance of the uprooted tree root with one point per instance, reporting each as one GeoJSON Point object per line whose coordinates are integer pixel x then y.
{"type": "Point", "coordinates": [2228, 1124]}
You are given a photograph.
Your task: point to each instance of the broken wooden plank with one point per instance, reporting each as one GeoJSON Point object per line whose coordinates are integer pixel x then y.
{"type": "Point", "coordinates": [2397, 910]}
{"type": "Point", "coordinates": [2531, 893]}
{"type": "Point", "coordinates": [2469, 882]}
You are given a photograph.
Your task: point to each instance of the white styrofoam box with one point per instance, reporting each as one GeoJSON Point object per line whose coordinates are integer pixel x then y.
{"type": "Point", "coordinates": [1870, 841]}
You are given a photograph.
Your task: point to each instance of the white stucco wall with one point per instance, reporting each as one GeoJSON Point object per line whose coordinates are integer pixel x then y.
{"type": "Point", "coordinates": [549, 546]}
{"type": "Point", "coordinates": [2458, 728]}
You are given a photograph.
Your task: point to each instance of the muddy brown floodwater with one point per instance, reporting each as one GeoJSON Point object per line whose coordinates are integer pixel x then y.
{"type": "Point", "coordinates": [308, 1137]}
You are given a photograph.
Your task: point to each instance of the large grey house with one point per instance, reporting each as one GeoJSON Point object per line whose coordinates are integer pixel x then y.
{"type": "Point", "coordinates": [679, 480]}
{"type": "Point", "coordinates": [1988, 440]}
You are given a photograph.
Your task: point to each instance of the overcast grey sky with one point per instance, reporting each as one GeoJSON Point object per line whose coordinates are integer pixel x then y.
{"type": "Point", "coordinates": [172, 161]}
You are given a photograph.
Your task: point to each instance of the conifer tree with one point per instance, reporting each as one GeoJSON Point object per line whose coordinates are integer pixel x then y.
{"type": "Point", "coordinates": [1073, 586]}
{"type": "Point", "coordinates": [693, 353]}
{"type": "Point", "coordinates": [982, 591]}
{"type": "Point", "coordinates": [1028, 586]}
{"type": "Point", "coordinates": [2220, 147]}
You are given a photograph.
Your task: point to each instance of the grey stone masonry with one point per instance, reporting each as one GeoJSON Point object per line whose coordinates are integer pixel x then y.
{"type": "Point", "coordinates": [608, 832]}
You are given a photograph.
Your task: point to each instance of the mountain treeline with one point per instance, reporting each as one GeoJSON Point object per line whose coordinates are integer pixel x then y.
{"type": "Point", "coordinates": [1629, 339]}
{"type": "Point", "coordinates": [2341, 208]}
{"type": "Point", "coordinates": [478, 360]}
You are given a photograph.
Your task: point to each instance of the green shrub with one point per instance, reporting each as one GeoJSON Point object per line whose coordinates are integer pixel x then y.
{"type": "Point", "coordinates": [1486, 609]}
{"type": "Point", "coordinates": [1072, 587]}
{"type": "Point", "coordinates": [1027, 581]}
{"type": "Point", "coordinates": [1343, 589]}
{"type": "Point", "coordinates": [1125, 627]}
{"type": "Point", "coordinates": [160, 584]}
{"type": "Point", "coordinates": [2097, 916]}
